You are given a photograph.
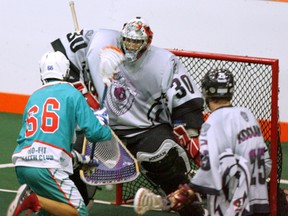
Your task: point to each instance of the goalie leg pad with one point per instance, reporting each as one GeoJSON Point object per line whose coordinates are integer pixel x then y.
{"type": "Point", "coordinates": [167, 166]}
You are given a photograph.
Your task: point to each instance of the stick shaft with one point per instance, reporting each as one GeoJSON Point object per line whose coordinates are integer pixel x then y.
{"type": "Point", "coordinates": [101, 106]}
{"type": "Point", "coordinates": [75, 21]}
{"type": "Point", "coordinates": [103, 96]}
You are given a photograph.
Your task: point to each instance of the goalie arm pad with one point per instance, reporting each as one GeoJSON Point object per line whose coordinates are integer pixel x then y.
{"type": "Point", "coordinates": [190, 144]}
{"type": "Point", "coordinates": [183, 196]}
{"type": "Point", "coordinates": [110, 59]}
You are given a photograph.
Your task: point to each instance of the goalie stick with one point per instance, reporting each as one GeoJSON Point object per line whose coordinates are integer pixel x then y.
{"type": "Point", "coordinates": [101, 106]}
{"type": "Point", "coordinates": [75, 21]}
{"type": "Point", "coordinates": [76, 27]}
{"type": "Point", "coordinates": [116, 163]}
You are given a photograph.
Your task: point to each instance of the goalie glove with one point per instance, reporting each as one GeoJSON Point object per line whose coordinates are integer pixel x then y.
{"type": "Point", "coordinates": [102, 116]}
{"type": "Point", "coordinates": [190, 144]}
{"type": "Point", "coordinates": [181, 197]}
{"type": "Point", "coordinates": [79, 160]}
{"type": "Point", "coordinates": [110, 59]}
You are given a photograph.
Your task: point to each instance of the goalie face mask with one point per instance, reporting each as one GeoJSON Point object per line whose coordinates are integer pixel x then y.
{"type": "Point", "coordinates": [136, 37]}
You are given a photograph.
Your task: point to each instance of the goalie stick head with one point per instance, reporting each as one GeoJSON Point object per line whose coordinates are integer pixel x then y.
{"type": "Point", "coordinates": [136, 37]}
{"type": "Point", "coordinates": [54, 65]}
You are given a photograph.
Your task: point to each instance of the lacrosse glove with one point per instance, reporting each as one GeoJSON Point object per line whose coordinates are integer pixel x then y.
{"type": "Point", "coordinates": [79, 160]}
{"type": "Point", "coordinates": [102, 116]}
{"type": "Point", "coordinates": [181, 197]}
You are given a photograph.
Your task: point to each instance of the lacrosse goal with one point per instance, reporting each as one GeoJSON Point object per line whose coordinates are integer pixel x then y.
{"type": "Point", "coordinates": [256, 89]}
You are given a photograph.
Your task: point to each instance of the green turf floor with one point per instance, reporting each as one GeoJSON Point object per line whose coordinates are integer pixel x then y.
{"type": "Point", "coordinates": [9, 128]}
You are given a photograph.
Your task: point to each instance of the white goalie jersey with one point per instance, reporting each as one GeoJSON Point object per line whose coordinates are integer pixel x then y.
{"type": "Point", "coordinates": [235, 163]}
{"type": "Point", "coordinates": [144, 92]}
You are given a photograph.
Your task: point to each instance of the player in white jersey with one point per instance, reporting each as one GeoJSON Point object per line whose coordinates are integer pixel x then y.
{"type": "Point", "coordinates": [235, 161]}
{"type": "Point", "coordinates": [149, 95]}
{"type": "Point", "coordinates": [43, 156]}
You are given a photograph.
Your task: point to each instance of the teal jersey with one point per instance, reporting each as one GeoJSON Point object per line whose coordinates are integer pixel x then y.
{"type": "Point", "coordinates": [50, 118]}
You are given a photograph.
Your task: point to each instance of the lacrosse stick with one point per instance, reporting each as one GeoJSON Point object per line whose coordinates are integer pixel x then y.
{"type": "Point", "coordinates": [75, 21]}
{"type": "Point", "coordinates": [101, 106]}
{"type": "Point", "coordinates": [116, 163]}
{"type": "Point", "coordinates": [110, 59]}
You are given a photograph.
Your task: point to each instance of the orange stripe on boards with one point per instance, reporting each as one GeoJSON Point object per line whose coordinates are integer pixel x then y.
{"type": "Point", "coordinates": [279, 0]}
{"type": "Point", "coordinates": [265, 125]}
{"type": "Point", "coordinates": [284, 131]}
{"type": "Point", "coordinates": [13, 103]}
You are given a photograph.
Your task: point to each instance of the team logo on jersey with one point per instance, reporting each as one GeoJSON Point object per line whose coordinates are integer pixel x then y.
{"type": "Point", "coordinates": [205, 127]}
{"type": "Point", "coordinates": [244, 116]}
{"type": "Point", "coordinates": [121, 95]}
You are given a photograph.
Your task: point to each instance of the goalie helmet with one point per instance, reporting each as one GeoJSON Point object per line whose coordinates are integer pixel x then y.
{"type": "Point", "coordinates": [54, 65]}
{"type": "Point", "coordinates": [136, 37]}
{"type": "Point", "coordinates": [218, 83]}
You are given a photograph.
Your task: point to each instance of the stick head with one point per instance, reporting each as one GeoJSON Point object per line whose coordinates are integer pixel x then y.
{"type": "Point", "coordinates": [145, 200]}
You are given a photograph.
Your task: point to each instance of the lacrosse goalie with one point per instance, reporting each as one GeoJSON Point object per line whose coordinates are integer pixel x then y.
{"type": "Point", "coordinates": [235, 161]}
{"type": "Point", "coordinates": [150, 94]}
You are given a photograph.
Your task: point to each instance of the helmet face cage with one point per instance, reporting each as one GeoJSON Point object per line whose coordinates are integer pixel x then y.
{"type": "Point", "coordinates": [136, 37]}
{"type": "Point", "coordinates": [218, 83]}
{"type": "Point", "coordinates": [54, 65]}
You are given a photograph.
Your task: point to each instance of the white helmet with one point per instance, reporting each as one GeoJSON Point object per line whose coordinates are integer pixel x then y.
{"type": "Point", "coordinates": [136, 37]}
{"type": "Point", "coordinates": [54, 65]}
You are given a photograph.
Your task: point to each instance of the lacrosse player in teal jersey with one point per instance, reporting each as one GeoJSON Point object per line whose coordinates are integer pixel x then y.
{"type": "Point", "coordinates": [44, 157]}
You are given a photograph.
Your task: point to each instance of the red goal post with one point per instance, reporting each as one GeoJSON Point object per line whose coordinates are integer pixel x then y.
{"type": "Point", "coordinates": [256, 88]}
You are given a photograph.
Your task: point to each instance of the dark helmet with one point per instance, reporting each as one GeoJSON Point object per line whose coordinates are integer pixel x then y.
{"type": "Point", "coordinates": [218, 83]}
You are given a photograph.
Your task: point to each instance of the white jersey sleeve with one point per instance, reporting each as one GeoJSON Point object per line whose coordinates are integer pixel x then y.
{"type": "Point", "coordinates": [75, 45]}
{"type": "Point", "coordinates": [183, 87]}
